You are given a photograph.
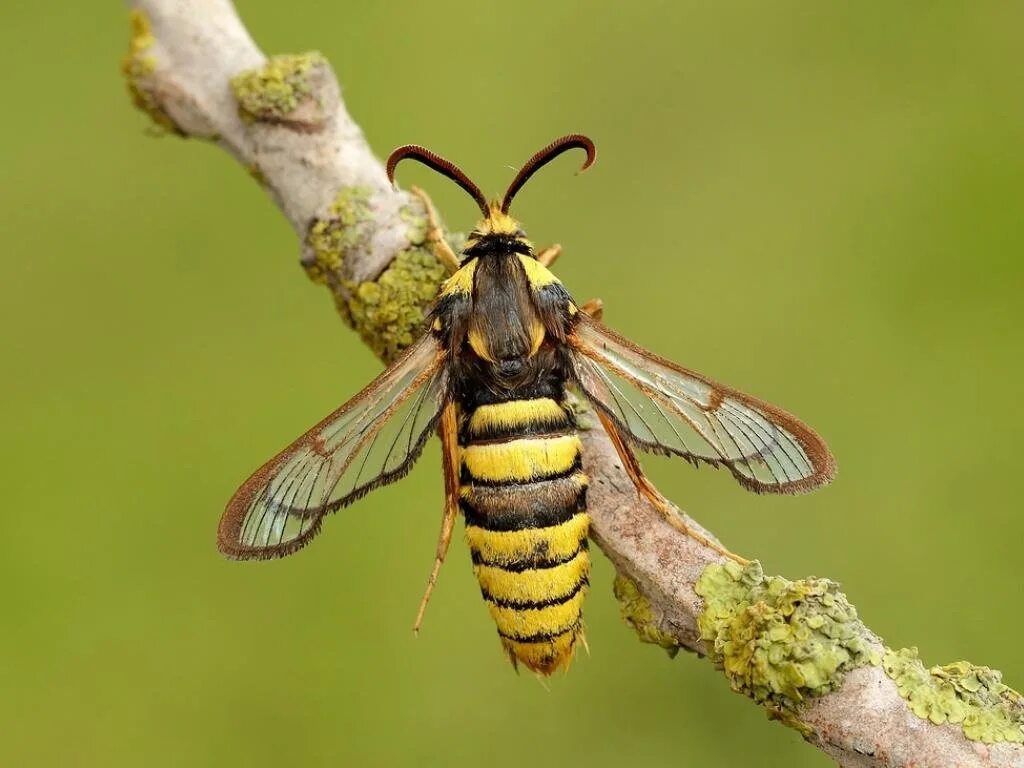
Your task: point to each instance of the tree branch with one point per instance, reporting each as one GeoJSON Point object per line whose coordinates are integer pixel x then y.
{"type": "Point", "coordinates": [797, 648]}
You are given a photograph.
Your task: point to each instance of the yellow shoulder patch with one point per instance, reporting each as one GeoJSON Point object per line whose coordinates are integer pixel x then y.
{"type": "Point", "coordinates": [461, 281]}
{"type": "Point", "coordinates": [536, 273]}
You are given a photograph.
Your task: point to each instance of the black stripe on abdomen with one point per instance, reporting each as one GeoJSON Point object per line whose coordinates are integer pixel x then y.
{"type": "Point", "coordinates": [513, 507]}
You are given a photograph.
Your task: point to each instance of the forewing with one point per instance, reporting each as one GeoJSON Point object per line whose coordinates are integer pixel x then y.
{"type": "Point", "coordinates": [662, 407]}
{"type": "Point", "coordinates": [373, 439]}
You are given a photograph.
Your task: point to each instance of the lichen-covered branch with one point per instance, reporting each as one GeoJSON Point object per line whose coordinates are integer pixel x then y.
{"type": "Point", "coordinates": [797, 648]}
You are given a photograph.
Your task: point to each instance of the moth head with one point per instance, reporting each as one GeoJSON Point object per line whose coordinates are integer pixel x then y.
{"type": "Point", "coordinates": [497, 232]}
{"type": "Point", "coordinates": [497, 222]}
{"type": "Point", "coordinates": [496, 219]}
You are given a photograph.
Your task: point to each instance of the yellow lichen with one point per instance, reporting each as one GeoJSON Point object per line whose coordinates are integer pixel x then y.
{"type": "Point", "coordinates": [636, 611]}
{"type": "Point", "coordinates": [274, 92]}
{"type": "Point", "coordinates": [388, 312]}
{"type": "Point", "coordinates": [138, 66]}
{"type": "Point", "coordinates": [346, 224]}
{"type": "Point", "coordinates": [780, 641]}
{"type": "Point", "coordinates": [974, 697]}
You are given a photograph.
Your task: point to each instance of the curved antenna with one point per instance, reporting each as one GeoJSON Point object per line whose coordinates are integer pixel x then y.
{"type": "Point", "coordinates": [545, 156]}
{"type": "Point", "coordinates": [439, 164]}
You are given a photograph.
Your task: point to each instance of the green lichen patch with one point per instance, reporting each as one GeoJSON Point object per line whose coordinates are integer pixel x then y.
{"type": "Point", "coordinates": [387, 312]}
{"type": "Point", "coordinates": [780, 641]}
{"type": "Point", "coordinates": [138, 66]}
{"type": "Point", "coordinates": [414, 215]}
{"type": "Point", "coordinates": [974, 697]}
{"type": "Point", "coordinates": [280, 91]}
{"type": "Point", "coordinates": [583, 414]}
{"type": "Point", "coordinates": [636, 611]}
{"type": "Point", "coordinates": [346, 225]}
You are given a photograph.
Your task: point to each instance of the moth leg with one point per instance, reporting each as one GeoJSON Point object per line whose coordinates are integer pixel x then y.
{"type": "Point", "coordinates": [649, 492]}
{"type": "Point", "coordinates": [548, 255]}
{"type": "Point", "coordinates": [583, 640]}
{"type": "Point", "coordinates": [448, 430]}
{"type": "Point", "coordinates": [435, 236]}
{"type": "Point", "coordinates": [594, 308]}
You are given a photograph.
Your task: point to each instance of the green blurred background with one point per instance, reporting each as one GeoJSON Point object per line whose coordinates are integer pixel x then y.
{"type": "Point", "coordinates": [819, 203]}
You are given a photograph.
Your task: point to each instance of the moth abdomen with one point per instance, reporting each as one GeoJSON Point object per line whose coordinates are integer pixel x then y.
{"type": "Point", "coordinates": [523, 495]}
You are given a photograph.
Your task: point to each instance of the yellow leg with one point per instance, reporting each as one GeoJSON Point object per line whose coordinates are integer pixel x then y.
{"type": "Point", "coordinates": [547, 256]}
{"type": "Point", "coordinates": [435, 237]}
{"type": "Point", "coordinates": [648, 491]}
{"type": "Point", "coordinates": [448, 430]}
{"type": "Point", "coordinates": [594, 308]}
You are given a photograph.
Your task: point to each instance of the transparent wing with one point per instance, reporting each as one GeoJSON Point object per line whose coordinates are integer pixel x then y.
{"type": "Point", "coordinates": [664, 408]}
{"type": "Point", "coordinates": [372, 440]}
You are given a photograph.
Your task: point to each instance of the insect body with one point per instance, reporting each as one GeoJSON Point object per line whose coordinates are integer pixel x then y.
{"type": "Point", "coordinates": [522, 486]}
{"type": "Point", "coordinates": [504, 343]}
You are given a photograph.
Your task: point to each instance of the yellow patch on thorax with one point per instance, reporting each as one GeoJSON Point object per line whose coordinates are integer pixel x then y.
{"type": "Point", "coordinates": [516, 413]}
{"type": "Point", "coordinates": [555, 542]}
{"type": "Point", "coordinates": [478, 343]}
{"type": "Point", "coordinates": [526, 458]}
{"type": "Point", "coordinates": [461, 282]}
{"type": "Point", "coordinates": [537, 334]}
{"type": "Point", "coordinates": [536, 273]}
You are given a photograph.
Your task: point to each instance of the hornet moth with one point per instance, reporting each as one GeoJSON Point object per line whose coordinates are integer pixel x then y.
{"type": "Point", "coordinates": [504, 342]}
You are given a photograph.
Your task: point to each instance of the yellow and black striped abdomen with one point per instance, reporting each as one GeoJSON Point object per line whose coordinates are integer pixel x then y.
{"type": "Point", "coordinates": [524, 498]}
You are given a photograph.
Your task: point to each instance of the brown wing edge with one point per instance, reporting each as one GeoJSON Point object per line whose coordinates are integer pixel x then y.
{"type": "Point", "coordinates": [229, 528]}
{"type": "Point", "coordinates": [810, 441]}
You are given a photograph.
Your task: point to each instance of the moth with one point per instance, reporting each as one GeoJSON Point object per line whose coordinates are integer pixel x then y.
{"type": "Point", "coordinates": [504, 345]}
